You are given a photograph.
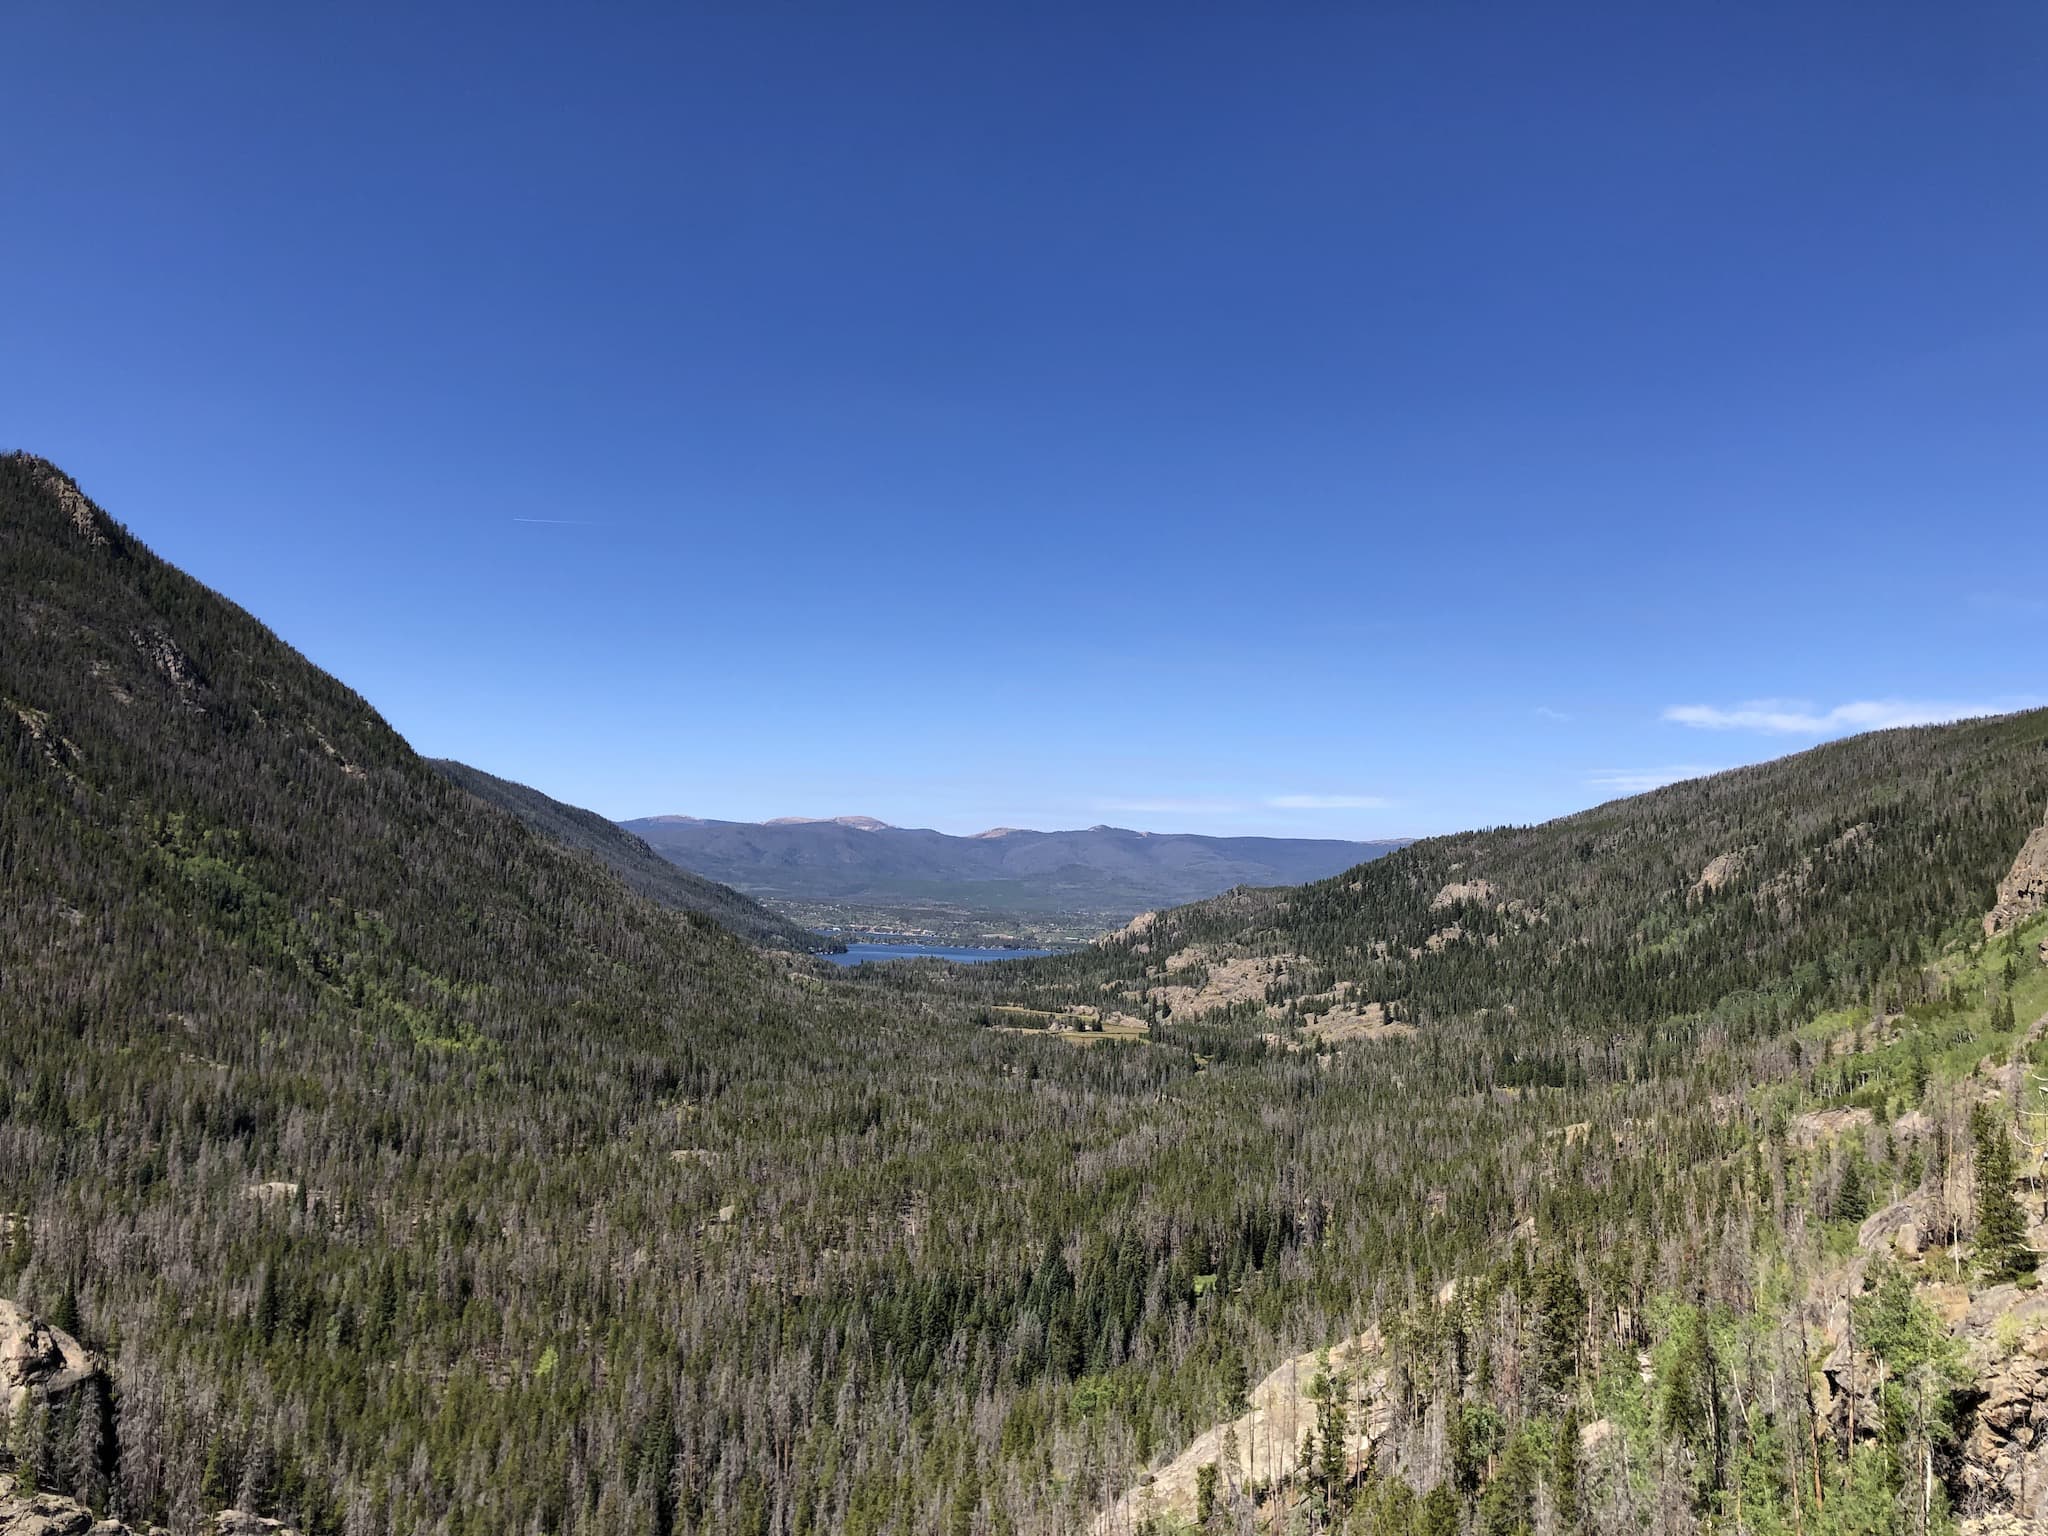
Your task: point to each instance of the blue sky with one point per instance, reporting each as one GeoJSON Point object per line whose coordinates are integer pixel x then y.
{"type": "Point", "coordinates": [1345, 420]}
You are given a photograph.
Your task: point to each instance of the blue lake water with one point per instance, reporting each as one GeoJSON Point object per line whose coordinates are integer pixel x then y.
{"type": "Point", "coordinates": [858, 953]}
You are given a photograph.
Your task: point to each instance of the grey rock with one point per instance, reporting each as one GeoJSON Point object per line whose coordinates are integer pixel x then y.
{"type": "Point", "coordinates": [37, 1360]}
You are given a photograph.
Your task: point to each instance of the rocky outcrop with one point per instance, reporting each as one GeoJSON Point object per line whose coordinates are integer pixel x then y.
{"type": "Point", "coordinates": [2004, 1455]}
{"type": "Point", "coordinates": [1996, 1525]}
{"type": "Point", "coordinates": [1720, 870]}
{"type": "Point", "coordinates": [49, 1514]}
{"type": "Point", "coordinates": [38, 1361]}
{"type": "Point", "coordinates": [178, 669]}
{"type": "Point", "coordinates": [1264, 1443]}
{"type": "Point", "coordinates": [233, 1522]}
{"type": "Point", "coordinates": [93, 525]}
{"type": "Point", "coordinates": [2024, 890]}
{"type": "Point", "coordinates": [1478, 892]}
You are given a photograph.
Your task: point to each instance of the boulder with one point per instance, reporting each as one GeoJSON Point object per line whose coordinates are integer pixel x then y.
{"type": "Point", "coordinates": [38, 1360]}
{"type": "Point", "coordinates": [235, 1522]}
{"type": "Point", "coordinates": [49, 1514]}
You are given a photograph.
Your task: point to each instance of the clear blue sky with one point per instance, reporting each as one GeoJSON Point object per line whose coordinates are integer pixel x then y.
{"type": "Point", "coordinates": [1334, 419]}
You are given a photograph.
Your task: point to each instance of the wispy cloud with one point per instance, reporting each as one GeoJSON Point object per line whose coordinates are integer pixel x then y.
{"type": "Point", "coordinates": [1799, 717]}
{"type": "Point", "coordinates": [1635, 781]}
{"type": "Point", "coordinates": [559, 522]}
{"type": "Point", "coordinates": [1328, 802]}
{"type": "Point", "coordinates": [1544, 711]}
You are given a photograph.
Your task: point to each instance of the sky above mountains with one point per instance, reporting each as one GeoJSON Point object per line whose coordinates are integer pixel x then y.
{"type": "Point", "coordinates": [1349, 422]}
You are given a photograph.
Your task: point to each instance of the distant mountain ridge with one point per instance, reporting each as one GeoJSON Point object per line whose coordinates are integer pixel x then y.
{"type": "Point", "coordinates": [1109, 872]}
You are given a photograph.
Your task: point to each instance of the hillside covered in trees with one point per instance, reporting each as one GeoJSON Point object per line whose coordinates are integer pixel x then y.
{"type": "Point", "coordinates": [636, 864]}
{"type": "Point", "coordinates": [1663, 1168]}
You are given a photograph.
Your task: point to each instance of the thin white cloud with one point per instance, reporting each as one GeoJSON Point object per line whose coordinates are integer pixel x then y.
{"type": "Point", "coordinates": [1636, 781]}
{"type": "Point", "coordinates": [1328, 802]}
{"type": "Point", "coordinates": [1799, 717]}
{"type": "Point", "coordinates": [1547, 713]}
{"type": "Point", "coordinates": [558, 522]}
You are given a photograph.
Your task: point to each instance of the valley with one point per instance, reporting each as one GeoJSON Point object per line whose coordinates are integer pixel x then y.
{"type": "Point", "coordinates": [1005, 886]}
{"type": "Point", "coordinates": [385, 1151]}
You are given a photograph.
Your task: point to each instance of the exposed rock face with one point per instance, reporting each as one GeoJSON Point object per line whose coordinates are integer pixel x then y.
{"type": "Point", "coordinates": [161, 652]}
{"type": "Point", "coordinates": [2024, 890]}
{"type": "Point", "coordinates": [1721, 869]}
{"type": "Point", "coordinates": [1267, 1437]}
{"type": "Point", "coordinates": [1996, 1525]}
{"type": "Point", "coordinates": [92, 524]}
{"type": "Point", "coordinates": [1476, 891]}
{"type": "Point", "coordinates": [38, 1360]}
{"type": "Point", "coordinates": [2005, 1456]}
{"type": "Point", "coordinates": [48, 1514]}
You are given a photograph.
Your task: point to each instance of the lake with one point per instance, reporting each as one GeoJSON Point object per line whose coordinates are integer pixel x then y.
{"type": "Point", "coordinates": [857, 954]}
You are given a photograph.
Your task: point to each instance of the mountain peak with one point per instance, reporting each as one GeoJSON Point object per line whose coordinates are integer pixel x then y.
{"type": "Point", "coordinates": [93, 525]}
{"type": "Point", "coordinates": [858, 823]}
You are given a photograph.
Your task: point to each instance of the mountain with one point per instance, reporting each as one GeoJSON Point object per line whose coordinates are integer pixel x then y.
{"type": "Point", "coordinates": [637, 865]}
{"type": "Point", "coordinates": [397, 1168]}
{"type": "Point", "coordinates": [1792, 882]}
{"type": "Point", "coordinates": [1094, 879]}
{"type": "Point", "coordinates": [1711, 1079]}
{"type": "Point", "coordinates": [300, 1038]}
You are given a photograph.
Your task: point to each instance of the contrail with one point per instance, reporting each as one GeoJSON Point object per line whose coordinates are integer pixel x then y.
{"type": "Point", "coordinates": [559, 522]}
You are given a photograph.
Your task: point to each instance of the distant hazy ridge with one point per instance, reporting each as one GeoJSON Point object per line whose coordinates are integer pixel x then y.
{"type": "Point", "coordinates": [1109, 870]}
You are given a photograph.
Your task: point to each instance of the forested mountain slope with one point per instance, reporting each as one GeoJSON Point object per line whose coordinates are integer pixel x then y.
{"type": "Point", "coordinates": [305, 1048]}
{"type": "Point", "coordinates": [639, 866]}
{"type": "Point", "coordinates": [412, 1174]}
{"type": "Point", "coordinates": [1762, 893]}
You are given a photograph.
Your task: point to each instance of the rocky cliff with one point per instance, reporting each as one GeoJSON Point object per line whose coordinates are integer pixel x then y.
{"type": "Point", "coordinates": [38, 1361]}
{"type": "Point", "coordinates": [2024, 890]}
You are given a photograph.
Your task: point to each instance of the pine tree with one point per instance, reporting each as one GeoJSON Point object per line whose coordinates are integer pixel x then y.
{"type": "Point", "coordinates": [966, 1500]}
{"type": "Point", "coordinates": [64, 1316]}
{"type": "Point", "coordinates": [1332, 1427]}
{"type": "Point", "coordinates": [1508, 1506]}
{"type": "Point", "coordinates": [1852, 1200]}
{"type": "Point", "coordinates": [88, 1453]}
{"type": "Point", "coordinates": [1564, 1471]}
{"type": "Point", "coordinates": [28, 1442]}
{"type": "Point", "coordinates": [267, 1307]}
{"type": "Point", "coordinates": [1205, 1494]}
{"type": "Point", "coordinates": [1560, 1305]}
{"type": "Point", "coordinates": [1438, 1513]}
{"type": "Point", "coordinates": [2001, 1251]}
